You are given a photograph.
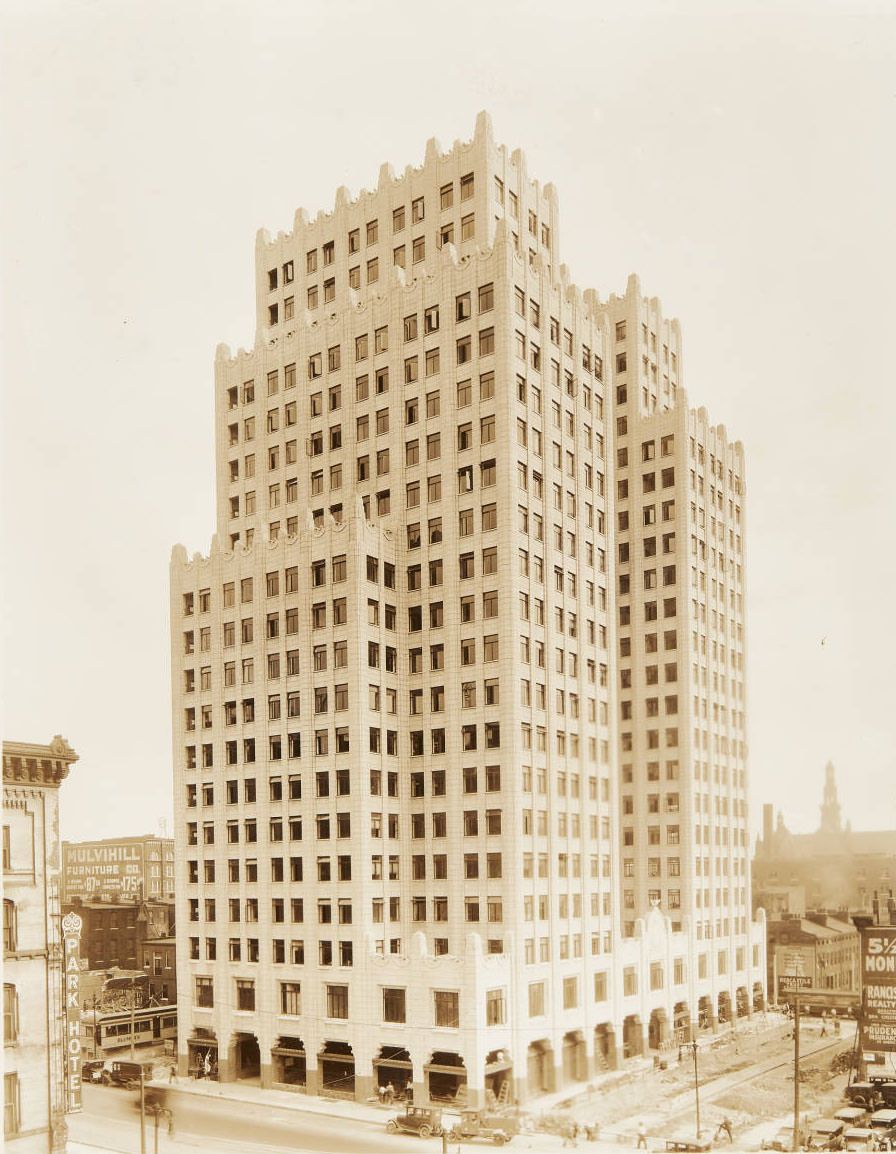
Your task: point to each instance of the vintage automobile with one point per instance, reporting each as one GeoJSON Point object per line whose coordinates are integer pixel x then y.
{"type": "Point", "coordinates": [858, 1138]}
{"type": "Point", "coordinates": [92, 1070]}
{"type": "Point", "coordinates": [783, 1140]}
{"type": "Point", "coordinates": [497, 1128]}
{"type": "Point", "coordinates": [852, 1115]}
{"type": "Point", "coordinates": [424, 1121]}
{"type": "Point", "coordinates": [883, 1123]}
{"type": "Point", "coordinates": [862, 1094]}
{"type": "Point", "coordinates": [825, 1134]}
{"type": "Point", "coordinates": [886, 1092]}
{"type": "Point", "coordinates": [119, 1073]}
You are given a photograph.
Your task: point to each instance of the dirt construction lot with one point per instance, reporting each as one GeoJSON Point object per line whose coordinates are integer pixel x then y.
{"type": "Point", "coordinates": [745, 1075]}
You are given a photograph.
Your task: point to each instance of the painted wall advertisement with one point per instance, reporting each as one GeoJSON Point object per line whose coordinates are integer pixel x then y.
{"type": "Point", "coordinates": [879, 988]}
{"type": "Point", "coordinates": [71, 946]}
{"type": "Point", "coordinates": [96, 872]}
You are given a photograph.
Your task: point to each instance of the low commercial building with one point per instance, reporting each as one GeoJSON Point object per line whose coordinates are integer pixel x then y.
{"type": "Point", "coordinates": [822, 948]}
{"type": "Point", "coordinates": [113, 933]}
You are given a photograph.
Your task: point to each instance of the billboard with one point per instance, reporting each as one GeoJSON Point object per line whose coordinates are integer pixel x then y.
{"type": "Point", "coordinates": [103, 871]}
{"type": "Point", "coordinates": [879, 988]}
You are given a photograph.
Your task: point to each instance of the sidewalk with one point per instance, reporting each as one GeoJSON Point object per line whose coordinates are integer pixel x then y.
{"type": "Point", "coordinates": [372, 1113]}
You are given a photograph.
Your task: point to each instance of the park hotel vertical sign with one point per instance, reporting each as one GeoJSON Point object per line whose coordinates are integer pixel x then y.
{"type": "Point", "coordinates": [71, 944]}
{"type": "Point", "coordinates": [879, 988]}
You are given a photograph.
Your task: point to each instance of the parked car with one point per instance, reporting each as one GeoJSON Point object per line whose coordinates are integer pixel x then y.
{"type": "Point", "coordinates": [887, 1094]}
{"type": "Point", "coordinates": [883, 1123]}
{"type": "Point", "coordinates": [862, 1094]}
{"type": "Point", "coordinates": [92, 1070]}
{"type": "Point", "coordinates": [852, 1115]}
{"type": "Point", "coordinates": [858, 1138]}
{"type": "Point", "coordinates": [783, 1140]}
{"type": "Point", "coordinates": [119, 1073]}
{"type": "Point", "coordinates": [825, 1134]}
{"type": "Point", "coordinates": [424, 1121]}
{"type": "Point", "coordinates": [497, 1128]}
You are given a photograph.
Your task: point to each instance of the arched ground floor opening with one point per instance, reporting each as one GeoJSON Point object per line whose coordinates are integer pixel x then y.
{"type": "Point", "coordinates": [605, 1046]}
{"type": "Point", "coordinates": [540, 1067]}
{"type": "Point", "coordinates": [498, 1078]}
{"type": "Point", "coordinates": [246, 1057]}
{"type": "Point", "coordinates": [336, 1062]}
{"type": "Point", "coordinates": [704, 1012]}
{"type": "Point", "coordinates": [288, 1062]}
{"type": "Point", "coordinates": [393, 1072]}
{"type": "Point", "coordinates": [202, 1054]}
{"type": "Point", "coordinates": [632, 1037]}
{"type": "Point", "coordinates": [681, 1023]}
{"type": "Point", "coordinates": [742, 1001]}
{"type": "Point", "coordinates": [446, 1077]}
{"type": "Point", "coordinates": [657, 1029]}
{"type": "Point", "coordinates": [758, 997]}
{"type": "Point", "coordinates": [574, 1060]}
{"type": "Point", "coordinates": [724, 1006]}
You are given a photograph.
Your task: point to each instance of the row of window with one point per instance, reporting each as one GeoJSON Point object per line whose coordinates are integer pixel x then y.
{"type": "Point", "coordinates": [339, 825]}
{"type": "Point", "coordinates": [446, 1003]}
{"type": "Point", "coordinates": [247, 909]}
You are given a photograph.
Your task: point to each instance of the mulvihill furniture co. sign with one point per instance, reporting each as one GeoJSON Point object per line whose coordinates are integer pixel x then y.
{"type": "Point", "coordinates": [97, 871]}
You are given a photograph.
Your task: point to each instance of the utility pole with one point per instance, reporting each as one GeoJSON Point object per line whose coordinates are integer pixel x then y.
{"type": "Point", "coordinates": [696, 1085]}
{"type": "Point", "coordinates": [796, 1070]}
{"type": "Point", "coordinates": [142, 1111]}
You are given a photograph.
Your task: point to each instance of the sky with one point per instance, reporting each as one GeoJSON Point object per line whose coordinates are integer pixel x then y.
{"type": "Point", "coordinates": [738, 157]}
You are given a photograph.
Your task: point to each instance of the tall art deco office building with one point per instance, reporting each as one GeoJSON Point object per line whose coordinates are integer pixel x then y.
{"type": "Point", "coordinates": [458, 690]}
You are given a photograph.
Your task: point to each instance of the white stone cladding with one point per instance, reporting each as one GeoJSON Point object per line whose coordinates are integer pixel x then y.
{"type": "Point", "coordinates": [35, 1069]}
{"type": "Point", "coordinates": [415, 558]}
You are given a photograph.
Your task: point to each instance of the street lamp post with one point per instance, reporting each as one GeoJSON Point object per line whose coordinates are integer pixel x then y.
{"type": "Point", "coordinates": [142, 1110]}
{"type": "Point", "coordinates": [696, 1085]}
{"type": "Point", "coordinates": [159, 1111]}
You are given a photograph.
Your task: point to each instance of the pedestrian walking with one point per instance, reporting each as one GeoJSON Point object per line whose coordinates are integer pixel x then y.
{"type": "Point", "coordinates": [724, 1127]}
{"type": "Point", "coordinates": [570, 1133]}
{"type": "Point", "coordinates": [642, 1137]}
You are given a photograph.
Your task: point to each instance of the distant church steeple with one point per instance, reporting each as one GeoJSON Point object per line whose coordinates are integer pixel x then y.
{"type": "Point", "coordinates": [830, 806]}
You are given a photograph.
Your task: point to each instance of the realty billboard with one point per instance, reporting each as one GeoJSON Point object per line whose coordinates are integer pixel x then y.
{"type": "Point", "coordinates": [879, 988]}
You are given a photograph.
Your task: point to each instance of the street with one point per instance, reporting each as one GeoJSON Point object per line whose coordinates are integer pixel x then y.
{"type": "Point", "coordinates": [110, 1119]}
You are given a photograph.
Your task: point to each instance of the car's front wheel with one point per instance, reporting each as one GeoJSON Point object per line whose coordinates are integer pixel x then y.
{"type": "Point", "coordinates": [425, 1131]}
{"type": "Point", "coordinates": [392, 1126]}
